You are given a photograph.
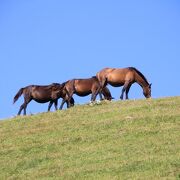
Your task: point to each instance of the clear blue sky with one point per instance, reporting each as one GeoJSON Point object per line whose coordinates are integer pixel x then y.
{"type": "Point", "coordinates": [45, 41]}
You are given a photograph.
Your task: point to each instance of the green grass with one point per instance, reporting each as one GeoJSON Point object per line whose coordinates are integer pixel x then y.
{"type": "Point", "coordinates": [113, 140]}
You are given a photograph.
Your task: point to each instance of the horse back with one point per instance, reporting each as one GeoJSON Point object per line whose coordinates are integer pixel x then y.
{"type": "Point", "coordinates": [104, 71]}
{"type": "Point", "coordinates": [120, 75]}
{"type": "Point", "coordinates": [41, 93]}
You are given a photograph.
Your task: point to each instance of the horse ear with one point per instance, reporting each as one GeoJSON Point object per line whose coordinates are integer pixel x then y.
{"type": "Point", "coordinates": [150, 85]}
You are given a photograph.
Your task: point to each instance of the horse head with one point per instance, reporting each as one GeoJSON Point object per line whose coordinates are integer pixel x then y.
{"type": "Point", "coordinates": [147, 91]}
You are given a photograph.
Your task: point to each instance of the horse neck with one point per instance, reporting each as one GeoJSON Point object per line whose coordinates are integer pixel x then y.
{"type": "Point", "coordinates": [141, 81]}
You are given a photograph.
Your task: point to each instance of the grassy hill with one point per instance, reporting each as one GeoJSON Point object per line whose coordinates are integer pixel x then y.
{"type": "Point", "coordinates": [113, 140]}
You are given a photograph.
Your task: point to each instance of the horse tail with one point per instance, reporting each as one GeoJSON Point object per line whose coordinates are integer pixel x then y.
{"type": "Point", "coordinates": [19, 93]}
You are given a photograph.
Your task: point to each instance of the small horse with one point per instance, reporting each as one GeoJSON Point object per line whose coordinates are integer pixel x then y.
{"type": "Point", "coordinates": [84, 87]}
{"type": "Point", "coordinates": [124, 77]}
{"type": "Point", "coordinates": [40, 94]}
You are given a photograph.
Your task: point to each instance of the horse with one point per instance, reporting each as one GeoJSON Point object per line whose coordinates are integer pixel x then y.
{"type": "Point", "coordinates": [40, 94]}
{"type": "Point", "coordinates": [125, 77]}
{"type": "Point", "coordinates": [84, 87]}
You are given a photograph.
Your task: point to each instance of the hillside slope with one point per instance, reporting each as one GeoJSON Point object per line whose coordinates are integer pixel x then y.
{"type": "Point", "coordinates": [114, 140]}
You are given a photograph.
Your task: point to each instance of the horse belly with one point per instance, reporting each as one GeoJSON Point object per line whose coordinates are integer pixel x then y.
{"type": "Point", "coordinates": [116, 81]}
{"type": "Point", "coordinates": [115, 84]}
{"type": "Point", "coordinates": [82, 94]}
{"type": "Point", "coordinates": [41, 97]}
{"type": "Point", "coordinates": [41, 100]}
{"type": "Point", "coordinates": [83, 89]}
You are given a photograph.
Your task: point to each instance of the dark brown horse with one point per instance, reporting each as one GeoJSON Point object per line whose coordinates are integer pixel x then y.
{"type": "Point", "coordinates": [41, 94]}
{"type": "Point", "coordinates": [84, 87]}
{"type": "Point", "coordinates": [124, 77]}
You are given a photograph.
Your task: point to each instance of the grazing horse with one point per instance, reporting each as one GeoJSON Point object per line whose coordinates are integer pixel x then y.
{"type": "Point", "coordinates": [124, 77]}
{"type": "Point", "coordinates": [84, 87]}
{"type": "Point", "coordinates": [40, 94]}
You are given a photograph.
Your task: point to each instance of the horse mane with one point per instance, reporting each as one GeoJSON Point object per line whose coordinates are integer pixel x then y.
{"type": "Point", "coordinates": [58, 84]}
{"type": "Point", "coordinates": [63, 84]}
{"type": "Point", "coordinates": [55, 84]}
{"type": "Point", "coordinates": [133, 68]}
{"type": "Point", "coordinates": [94, 77]}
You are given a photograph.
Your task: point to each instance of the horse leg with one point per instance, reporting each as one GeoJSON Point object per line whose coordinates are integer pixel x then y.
{"type": "Point", "coordinates": [22, 106]}
{"type": "Point", "coordinates": [69, 93]}
{"type": "Point", "coordinates": [50, 104]}
{"type": "Point", "coordinates": [56, 104]}
{"type": "Point", "coordinates": [62, 103]}
{"type": "Point", "coordinates": [100, 93]}
{"type": "Point", "coordinates": [100, 96]}
{"type": "Point", "coordinates": [27, 101]}
{"type": "Point", "coordinates": [127, 91]}
{"type": "Point", "coordinates": [96, 93]}
{"type": "Point", "coordinates": [71, 102]}
{"type": "Point", "coordinates": [71, 105]}
{"type": "Point", "coordinates": [103, 84]}
{"type": "Point", "coordinates": [67, 104]}
{"type": "Point", "coordinates": [124, 89]}
{"type": "Point", "coordinates": [20, 109]}
{"type": "Point", "coordinates": [69, 99]}
{"type": "Point", "coordinates": [93, 97]}
{"type": "Point", "coordinates": [25, 106]}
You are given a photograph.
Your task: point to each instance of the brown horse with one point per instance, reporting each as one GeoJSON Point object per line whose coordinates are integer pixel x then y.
{"type": "Point", "coordinates": [40, 94]}
{"type": "Point", "coordinates": [84, 87]}
{"type": "Point", "coordinates": [124, 77]}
